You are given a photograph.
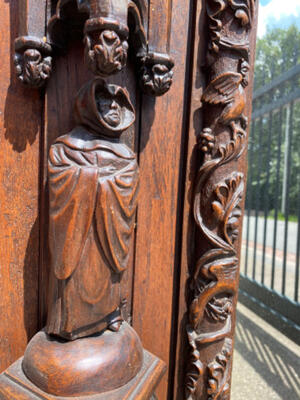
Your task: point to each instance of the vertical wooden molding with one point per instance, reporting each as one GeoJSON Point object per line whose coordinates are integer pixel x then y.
{"type": "Point", "coordinates": [20, 129]}
{"type": "Point", "coordinates": [219, 187]}
{"type": "Point", "coordinates": [160, 163]}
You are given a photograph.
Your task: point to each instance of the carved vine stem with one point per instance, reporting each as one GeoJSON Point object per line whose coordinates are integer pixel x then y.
{"type": "Point", "coordinates": [217, 200]}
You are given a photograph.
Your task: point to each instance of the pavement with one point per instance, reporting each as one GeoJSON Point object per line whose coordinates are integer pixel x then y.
{"type": "Point", "coordinates": [266, 364]}
{"type": "Point", "coordinates": [259, 225]}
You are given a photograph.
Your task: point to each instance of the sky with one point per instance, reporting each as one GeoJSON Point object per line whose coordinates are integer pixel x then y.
{"type": "Point", "coordinates": [277, 13]}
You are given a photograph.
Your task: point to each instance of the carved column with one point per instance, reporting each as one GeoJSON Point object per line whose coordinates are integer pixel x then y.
{"type": "Point", "coordinates": [217, 205]}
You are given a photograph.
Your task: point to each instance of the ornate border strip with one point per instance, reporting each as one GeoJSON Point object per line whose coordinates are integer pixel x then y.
{"type": "Point", "coordinates": [216, 206]}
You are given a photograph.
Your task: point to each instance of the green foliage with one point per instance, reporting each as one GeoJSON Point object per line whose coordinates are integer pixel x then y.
{"type": "Point", "coordinates": [277, 52]}
{"type": "Point", "coordinates": [281, 217]}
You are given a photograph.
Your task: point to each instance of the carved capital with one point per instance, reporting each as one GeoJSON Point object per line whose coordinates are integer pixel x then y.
{"type": "Point", "coordinates": [33, 61]}
{"type": "Point", "coordinates": [105, 46]}
{"type": "Point", "coordinates": [156, 73]}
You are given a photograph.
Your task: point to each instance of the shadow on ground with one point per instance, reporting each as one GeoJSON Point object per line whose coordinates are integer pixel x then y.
{"type": "Point", "coordinates": [266, 363]}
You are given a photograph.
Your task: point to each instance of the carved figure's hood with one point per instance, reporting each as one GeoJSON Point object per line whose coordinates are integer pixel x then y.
{"type": "Point", "coordinates": [88, 115]}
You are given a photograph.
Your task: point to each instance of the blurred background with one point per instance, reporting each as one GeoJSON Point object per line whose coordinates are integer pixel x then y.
{"type": "Point", "coordinates": [267, 352]}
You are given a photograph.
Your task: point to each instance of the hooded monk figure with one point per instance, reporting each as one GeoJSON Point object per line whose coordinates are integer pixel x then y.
{"type": "Point", "coordinates": [93, 183]}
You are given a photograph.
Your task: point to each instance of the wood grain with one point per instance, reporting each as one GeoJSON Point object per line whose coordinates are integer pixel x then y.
{"type": "Point", "coordinates": [160, 162]}
{"type": "Point", "coordinates": [20, 127]}
{"type": "Point", "coordinates": [193, 242]}
{"type": "Point", "coordinates": [15, 386]}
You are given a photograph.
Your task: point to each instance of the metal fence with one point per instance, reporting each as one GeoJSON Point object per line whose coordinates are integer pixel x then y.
{"type": "Point", "coordinates": [271, 233]}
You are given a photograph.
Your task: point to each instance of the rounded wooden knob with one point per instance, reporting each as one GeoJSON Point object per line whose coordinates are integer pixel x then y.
{"type": "Point", "coordinates": [85, 366]}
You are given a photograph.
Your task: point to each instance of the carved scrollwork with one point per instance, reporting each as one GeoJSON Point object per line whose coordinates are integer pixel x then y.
{"type": "Point", "coordinates": [226, 208]}
{"type": "Point", "coordinates": [217, 202]}
{"type": "Point", "coordinates": [241, 13]}
{"type": "Point", "coordinates": [33, 61]}
{"type": "Point", "coordinates": [219, 309]}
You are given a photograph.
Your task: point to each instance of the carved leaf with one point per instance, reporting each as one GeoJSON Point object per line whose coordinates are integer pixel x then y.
{"type": "Point", "coordinates": [108, 54]}
{"type": "Point", "coordinates": [32, 67]}
{"type": "Point", "coordinates": [214, 282]}
{"type": "Point", "coordinates": [218, 372]}
{"type": "Point", "coordinates": [156, 80]}
{"type": "Point", "coordinates": [226, 207]}
{"type": "Point", "coordinates": [243, 12]}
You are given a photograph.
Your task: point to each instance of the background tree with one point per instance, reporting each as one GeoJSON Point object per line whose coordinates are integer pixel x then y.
{"type": "Point", "coordinates": [277, 52]}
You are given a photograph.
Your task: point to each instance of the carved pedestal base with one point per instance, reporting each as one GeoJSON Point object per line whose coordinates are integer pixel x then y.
{"type": "Point", "coordinates": [14, 385]}
{"type": "Point", "coordinates": [83, 367]}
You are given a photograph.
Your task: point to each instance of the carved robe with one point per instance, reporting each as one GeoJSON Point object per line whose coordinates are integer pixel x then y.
{"type": "Point", "coordinates": [93, 186]}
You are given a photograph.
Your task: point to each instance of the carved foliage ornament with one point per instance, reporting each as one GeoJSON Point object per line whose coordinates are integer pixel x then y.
{"type": "Point", "coordinates": [221, 36]}
{"type": "Point", "coordinates": [33, 61]}
{"type": "Point", "coordinates": [105, 26]}
{"type": "Point", "coordinates": [107, 53]}
{"type": "Point", "coordinates": [106, 33]}
{"type": "Point", "coordinates": [218, 386]}
{"type": "Point", "coordinates": [217, 203]}
{"type": "Point", "coordinates": [156, 73]}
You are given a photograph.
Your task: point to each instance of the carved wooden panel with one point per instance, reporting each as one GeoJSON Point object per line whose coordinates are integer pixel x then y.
{"type": "Point", "coordinates": [172, 269]}
{"type": "Point", "coordinates": [161, 156]}
{"type": "Point", "coordinates": [20, 138]}
{"type": "Point", "coordinates": [92, 187]}
{"type": "Point", "coordinates": [220, 106]}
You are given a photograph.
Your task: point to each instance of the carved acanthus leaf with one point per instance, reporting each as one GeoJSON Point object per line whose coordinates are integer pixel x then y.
{"type": "Point", "coordinates": [218, 371]}
{"type": "Point", "coordinates": [226, 208]}
{"type": "Point", "coordinates": [32, 68]}
{"type": "Point", "coordinates": [106, 55]}
{"type": "Point", "coordinates": [156, 73]}
{"type": "Point", "coordinates": [33, 61]}
{"type": "Point", "coordinates": [217, 201]}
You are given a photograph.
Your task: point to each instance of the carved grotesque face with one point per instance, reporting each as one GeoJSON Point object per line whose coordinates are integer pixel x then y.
{"type": "Point", "coordinates": [110, 110]}
{"type": "Point", "coordinates": [245, 72]}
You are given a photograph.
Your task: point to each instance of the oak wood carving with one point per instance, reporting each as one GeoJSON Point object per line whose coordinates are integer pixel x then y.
{"type": "Point", "coordinates": [97, 259]}
{"type": "Point", "coordinates": [90, 244]}
{"type": "Point", "coordinates": [86, 348]}
{"type": "Point", "coordinates": [217, 203]}
{"type": "Point", "coordinates": [106, 26]}
{"type": "Point", "coordinates": [93, 185]}
{"type": "Point", "coordinates": [33, 55]}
